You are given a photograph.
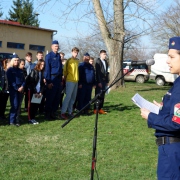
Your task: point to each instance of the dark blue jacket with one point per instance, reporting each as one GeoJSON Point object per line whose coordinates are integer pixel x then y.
{"type": "Point", "coordinates": [15, 78]}
{"type": "Point", "coordinates": [53, 67]}
{"type": "Point", "coordinates": [167, 122]}
{"type": "Point", "coordinates": [86, 74]}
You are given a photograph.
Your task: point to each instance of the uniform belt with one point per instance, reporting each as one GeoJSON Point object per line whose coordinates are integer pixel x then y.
{"type": "Point", "coordinates": [166, 140]}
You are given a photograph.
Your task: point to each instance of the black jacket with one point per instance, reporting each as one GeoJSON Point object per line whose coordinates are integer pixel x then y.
{"type": "Point", "coordinates": [1, 77]}
{"type": "Point", "coordinates": [32, 81]}
{"type": "Point", "coordinates": [102, 75]}
{"type": "Point", "coordinates": [3, 80]}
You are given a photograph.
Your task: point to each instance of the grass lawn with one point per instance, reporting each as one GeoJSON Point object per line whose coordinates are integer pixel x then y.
{"type": "Point", "coordinates": [126, 148]}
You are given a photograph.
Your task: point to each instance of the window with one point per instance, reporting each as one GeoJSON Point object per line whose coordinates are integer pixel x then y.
{"type": "Point", "coordinates": [15, 45]}
{"type": "Point", "coordinates": [36, 47]}
{"type": "Point", "coordinates": [5, 56]}
{"type": "Point", "coordinates": [0, 43]}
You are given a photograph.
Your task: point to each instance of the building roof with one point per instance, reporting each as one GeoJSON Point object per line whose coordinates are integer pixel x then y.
{"type": "Point", "coordinates": [13, 23]}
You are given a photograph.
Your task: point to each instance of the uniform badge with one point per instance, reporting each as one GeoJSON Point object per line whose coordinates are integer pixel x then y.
{"type": "Point", "coordinates": [176, 117]}
{"type": "Point", "coordinates": [173, 43]}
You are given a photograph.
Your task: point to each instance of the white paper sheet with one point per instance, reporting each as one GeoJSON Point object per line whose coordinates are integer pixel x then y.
{"type": "Point", "coordinates": [143, 103]}
{"type": "Point", "coordinates": [36, 100]}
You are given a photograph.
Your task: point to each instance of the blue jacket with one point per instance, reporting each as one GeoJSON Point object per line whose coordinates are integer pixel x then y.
{"type": "Point", "coordinates": [28, 67]}
{"type": "Point", "coordinates": [86, 74]}
{"type": "Point", "coordinates": [34, 64]}
{"type": "Point", "coordinates": [167, 122]}
{"type": "Point", "coordinates": [15, 78]}
{"type": "Point", "coordinates": [53, 67]}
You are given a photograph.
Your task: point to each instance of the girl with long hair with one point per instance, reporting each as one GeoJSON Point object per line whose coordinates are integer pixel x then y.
{"type": "Point", "coordinates": [35, 85]}
{"type": "Point", "coordinates": [4, 94]}
{"type": "Point", "coordinates": [16, 82]}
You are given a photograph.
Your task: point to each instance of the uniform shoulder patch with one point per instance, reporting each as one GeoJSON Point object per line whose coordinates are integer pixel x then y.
{"type": "Point", "coordinates": [176, 117]}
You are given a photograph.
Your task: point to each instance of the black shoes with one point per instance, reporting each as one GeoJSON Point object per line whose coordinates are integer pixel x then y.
{"type": "Point", "coordinates": [50, 116]}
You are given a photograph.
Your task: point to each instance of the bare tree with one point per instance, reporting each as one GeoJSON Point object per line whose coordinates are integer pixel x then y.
{"type": "Point", "coordinates": [139, 51]}
{"type": "Point", "coordinates": [119, 21]}
{"type": "Point", "coordinates": [166, 25]}
{"type": "Point", "coordinates": [92, 45]}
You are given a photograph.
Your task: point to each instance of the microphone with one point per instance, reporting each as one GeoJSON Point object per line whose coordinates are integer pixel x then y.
{"type": "Point", "coordinates": [148, 62]}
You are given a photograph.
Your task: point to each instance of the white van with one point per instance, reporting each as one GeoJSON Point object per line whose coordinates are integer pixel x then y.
{"type": "Point", "coordinates": [160, 70]}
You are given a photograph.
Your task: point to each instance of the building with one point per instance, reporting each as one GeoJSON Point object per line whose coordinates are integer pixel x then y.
{"type": "Point", "coordinates": [18, 38]}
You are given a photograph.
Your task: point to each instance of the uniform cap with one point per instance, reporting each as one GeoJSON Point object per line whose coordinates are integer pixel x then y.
{"type": "Point", "coordinates": [55, 42]}
{"type": "Point", "coordinates": [15, 55]}
{"type": "Point", "coordinates": [86, 54]}
{"type": "Point", "coordinates": [174, 43]}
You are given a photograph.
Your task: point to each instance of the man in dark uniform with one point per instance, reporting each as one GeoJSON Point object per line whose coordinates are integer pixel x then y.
{"type": "Point", "coordinates": [102, 78]}
{"type": "Point", "coordinates": [53, 76]}
{"type": "Point", "coordinates": [86, 83]}
{"type": "Point", "coordinates": [167, 122]}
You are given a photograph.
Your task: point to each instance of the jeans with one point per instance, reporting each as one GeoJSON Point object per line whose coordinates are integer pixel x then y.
{"type": "Point", "coordinates": [71, 92]}
{"type": "Point", "coordinates": [15, 98]}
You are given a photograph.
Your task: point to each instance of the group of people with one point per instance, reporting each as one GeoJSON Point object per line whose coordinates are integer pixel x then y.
{"type": "Point", "coordinates": [53, 77]}
{"type": "Point", "coordinates": [49, 80]}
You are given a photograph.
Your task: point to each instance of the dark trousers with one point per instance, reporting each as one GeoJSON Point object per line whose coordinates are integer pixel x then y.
{"type": "Point", "coordinates": [97, 91]}
{"type": "Point", "coordinates": [84, 96]}
{"type": "Point", "coordinates": [169, 162]}
{"type": "Point", "coordinates": [42, 104]}
{"type": "Point", "coordinates": [61, 100]}
{"type": "Point", "coordinates": [32, 107]}
{"type": "Point", "coordinates": [3, 103]}
{"type": "Point", "coordinates": [15, 98]}
{"type": "Point", "coordinates": [26, 99]}
{"type": "Point", "coordinates": [53, 97]}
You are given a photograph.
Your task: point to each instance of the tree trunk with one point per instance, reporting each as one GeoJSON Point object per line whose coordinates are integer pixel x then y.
{"type": "Point", "coordinates": [113, 43]}
{"type": "Point", "coordinates": [116, 52]}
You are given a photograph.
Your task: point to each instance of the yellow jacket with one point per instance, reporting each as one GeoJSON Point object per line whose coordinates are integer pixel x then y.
{"type": "Point", "coordinates": [70, 70]}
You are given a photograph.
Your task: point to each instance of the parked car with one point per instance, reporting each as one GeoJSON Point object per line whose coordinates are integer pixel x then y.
{"type": "Point", "coordinates": [140, 73]}
{"type": "Point", "coordinates": [160, 70]}
{"type": "Point", "coordinates": [4, 55]}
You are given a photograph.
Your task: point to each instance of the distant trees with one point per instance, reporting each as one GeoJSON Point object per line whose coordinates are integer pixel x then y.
{"type": "Point", "coordinates": [22, 11]}
{"type": "Point", "coordinates": [166, 25]}
{"type": "Point", "coordinates": [139, 51]}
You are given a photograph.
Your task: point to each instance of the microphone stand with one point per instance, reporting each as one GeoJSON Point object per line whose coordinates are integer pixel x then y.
{"type": "Point", "coordinates": [97, 101]}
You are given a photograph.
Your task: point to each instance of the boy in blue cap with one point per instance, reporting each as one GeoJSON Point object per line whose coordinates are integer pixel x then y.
{"type": "Point", "coordinates": [167, 122]}
{"type": "Point", "coordinates": [86, 83]}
